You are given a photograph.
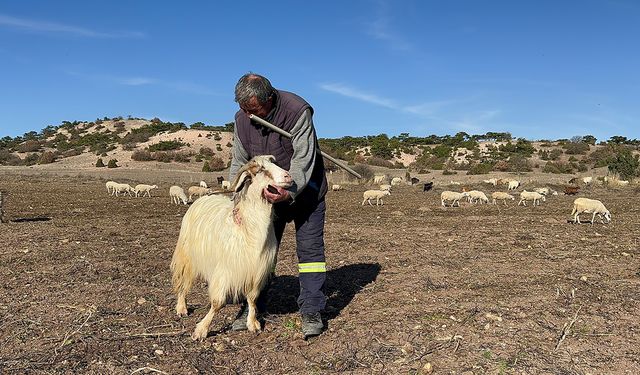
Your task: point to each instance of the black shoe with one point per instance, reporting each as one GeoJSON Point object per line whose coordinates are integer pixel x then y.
{"type": "Point", "coordinates": [240, 324]}
{"type": "Point", "coordinates": [312, 324]}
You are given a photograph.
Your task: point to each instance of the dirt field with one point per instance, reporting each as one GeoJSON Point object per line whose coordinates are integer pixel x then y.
{"type": "Point", "coordinates": [470, 290]}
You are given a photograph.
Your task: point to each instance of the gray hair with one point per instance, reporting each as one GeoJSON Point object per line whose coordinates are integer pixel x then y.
{"type": "Point", "coordinates": [250, 85]}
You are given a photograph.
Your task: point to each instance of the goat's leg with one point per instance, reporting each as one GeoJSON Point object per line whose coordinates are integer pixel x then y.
{"type": "Point", "coordinates": [202, 328]}
{"type": "Point", "coordinates": [253, 325]}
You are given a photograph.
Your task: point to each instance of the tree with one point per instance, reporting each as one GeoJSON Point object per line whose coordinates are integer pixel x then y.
{"type": "Point", "coordinates": [624, 163]}
{"type": "Point", "coordinates": [206, 167]}
{"type": "Point", "coordinates": [113, 163]}
{"type": "Point", "coordinates": [589, 139]}
{"type": "Point", "coordinates": [100, 163]}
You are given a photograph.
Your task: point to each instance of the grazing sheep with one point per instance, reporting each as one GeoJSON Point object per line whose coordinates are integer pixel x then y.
{"type": "Point", "coordinates": [220, 179]}
{"type": "Point", "coordinates": [144, 188]}
{"type": "Point", "coordinates": [531, 196]}
{"type": "Point", "coordinates": [231, 243]}
{"type": "Point", "coordinates": [377, 179]}
{"type": "Point", "coordinates": [492, 181]}
{"type": "Point", "coordinates": [545, 191]}
{"type": "Point", "coordinates": [513, 185]}
{"type": "Point", "coordinates": [111, 186]}
{"type": "Point", "coordinates": [615, 182]}
{"type": "Point", "coordinates": [122, 188]}
{"type": "Point", "coordinates": [587, 180]}
{"type": "Point", "coordinates": [499, 195]}
{"type": "Point", "coordinates": [177, 194]}
{"type": "Point", "coordinates": [336, 187]}
{"type": "Point", "coordinates": [199, 191]}
{"type": "Point", "coordinates": [452, 196]}
{"type": "Point", "coordinates": [455, 182]}
{"type": "Point", "coordinates": [386, 187]}
{"type": "Point", "coordinates": [377, 194]}
{"type": "Point", "coordinates": [590, 206]}
{"type": "Point", "coordinates": [476, 195]}
{"type": "Point", "coordinates": [203, 184]}
{"type": "Point", "coordinates": [396, 181]}
{"type": "Point", "coordinates": [226, 185]}
{"type": "Point", "coordinates": [427, 186]}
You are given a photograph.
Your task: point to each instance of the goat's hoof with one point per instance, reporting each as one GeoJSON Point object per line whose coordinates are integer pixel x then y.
{"type": "Point", "coordinates": [254, 326]}
{"type": "Point", "coordinates": [181, 312]}
{"type": "Point", "coordinates": [199, 334]}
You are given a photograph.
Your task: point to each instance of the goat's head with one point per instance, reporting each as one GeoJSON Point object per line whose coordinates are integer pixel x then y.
{"type": "Point", "coordinates": [262, 172]}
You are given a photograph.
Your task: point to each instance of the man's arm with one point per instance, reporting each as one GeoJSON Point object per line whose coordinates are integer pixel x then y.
{"type": "Point", "coordinates": [304, 153]}
{"type": "Point", "coordinates": [239, 155]}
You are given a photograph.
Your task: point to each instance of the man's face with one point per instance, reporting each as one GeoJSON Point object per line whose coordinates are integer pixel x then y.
{"type": "Point", "coordinates": [253, 107]}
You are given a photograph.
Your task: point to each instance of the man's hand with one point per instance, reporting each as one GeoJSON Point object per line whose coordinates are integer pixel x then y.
{"type": "Point", "coordinates": [281, 196]}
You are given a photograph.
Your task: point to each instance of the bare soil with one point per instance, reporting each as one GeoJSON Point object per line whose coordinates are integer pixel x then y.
{"type": "Point", "coordinates": [477, 289]}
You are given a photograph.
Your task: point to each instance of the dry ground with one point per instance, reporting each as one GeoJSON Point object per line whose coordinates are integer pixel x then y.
{"type": "Point", "coordinates": [471, 290]}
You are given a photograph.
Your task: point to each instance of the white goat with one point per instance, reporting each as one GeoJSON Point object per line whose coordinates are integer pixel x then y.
{"type": "Point", "coordinates": [199, 191]}
{"type": "Point", "coordinates": [377, 194]}
{"type": "Point", "coordinates": [513, 185]}
{"type": "Point", "coordinates": [531, 196]}
{"type": "Point", "coordinates": [452, 196]}
{"type": "Point", "coordinates": [590, 206]}
{"type": "Point", "coordinates": [587, 180]}
{"type": "Point", "coordinates": [499, 195]}
{"type": "Point", "coordinates": [231, 243]}
{"type": "Point", "coordinates": [144, 188]}
{"type": "Point", "coordinates": [177, 194]}
{"type": "Point", "coordinates": [203, 184]}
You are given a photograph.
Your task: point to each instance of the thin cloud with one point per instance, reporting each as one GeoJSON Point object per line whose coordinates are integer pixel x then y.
{"type": "Point", "coordinates": [380, 28]}
{"type": "Point", "coordinates": [351, 92]}
{"type": "Point", "coordinates": [57, 28]}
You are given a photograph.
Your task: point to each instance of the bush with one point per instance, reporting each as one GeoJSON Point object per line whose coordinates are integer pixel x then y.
{"type": "Point", "coordinates": [206, 167]}
{"type": "Point", "coordinates": [374, 160]}
{"type": "Point", "coordinates": [501, 166]}
{"type": "Point", "coordinates": [198, 158]}
{"type": "Point", "coordinates": [480, 168]}
{"type": "Point", "coordinates": [113, 163]}
{"type": "Point", "coordinates": [31, 159]}
{"type": "Point", "coordinates": [363, 170]}
{"type": "Point", "coordinates": [166, 146]}
{"type": "Point", "coordinates": [216, 164]}
{"type": "Point", "coordinates": [29, 146]}
{"type": "Point", "coordinates": [129, 146]}
{"type": "Point", "coordinates": [577, 148]}
{"type": "Point", "coordinates": [141, 155]}
{"type": "Point", "coordinates": [182, 157]}
{"type": "Point", "coordinates": [206, 151]}
{"type": "Point", "coordinates": [218, 147]}
{"type": "Point", "coordinates": [625, 164]}
{"type": "Point", "coordinates": [47, 157]}
{"type": "Point", "coordinates": [447, 172]}
{"type": "Point", "coordinates": [164, 157]}
{"type": "Point", "coordinates": [558, 167]}
{"type": "Point", "coordinates": [100, 163]}
{"type": "Point", "coordinates": [7, 158]}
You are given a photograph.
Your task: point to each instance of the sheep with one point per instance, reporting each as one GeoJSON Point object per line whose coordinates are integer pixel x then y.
{"type": "Point", "coordinates": [587, 180]}
{"type": "Point", "coordinates": [396, 181]}
{"type": "Point", "coordinates": [615, 181]}
{"type": "Point", "coordinates": [231, 243]}
{"type": "Point", "coordinates": [590, 206]}
{"type": "Point", "coordinates": [491, 181]}
{"type": "Point", "coordinates": [377, 194]}
{"type": "Point", "coordinates": [476, 195]}
{"type": "Point", "coordinates": [386, 187]}
{"type": "Point", "coordinates": [545, 191]}
{"type": "Point", "coordinates": [110, 186]}
{"type": "Point", "coordinates": [513, 185]}
{"type": "Point", "coordinates": [531, 196]}
{"type": "Point", "coordinates": [499, 195]}
{"type": "Point", "coordinates": [226, 185]}
{"type": "Point", "coordinates": [378, 178]}
{"type": "Point", "coordinates": [177, 194]}
{"type": "Point", "coordinates": [414, 180]}
{"type": "Point", "coordinates": [198, 190]}
{"type": "Point", "coordinates": [146, 188]}
{"type": "Point", "coordinates": [427, 186]}
{"type": "Point", "coordinates": [336, 187]}
{"type": "Point", "coordinates": [571, 190]}
{"type": "Point", "coordinates": [203, 184]}
{"type": "Point", "coordinates": [452, 196]}
{"type": "Point", "coordinates": [122, 188]}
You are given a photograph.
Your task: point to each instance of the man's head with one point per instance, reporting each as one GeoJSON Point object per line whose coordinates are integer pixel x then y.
{"type": "Point", "coordinates": [254, 94]}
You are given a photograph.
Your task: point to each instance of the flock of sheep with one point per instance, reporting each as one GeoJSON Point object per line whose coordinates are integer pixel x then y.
{"type": "Point", "coordinates": [176, 193]}
{"type": "Point", "coordinates": [538, 195]}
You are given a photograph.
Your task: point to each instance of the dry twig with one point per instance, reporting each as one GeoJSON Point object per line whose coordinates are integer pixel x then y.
{"type": "Point", "coordinates": [566, 328]}
{"type": "Point", "coordinates": [149, 369]}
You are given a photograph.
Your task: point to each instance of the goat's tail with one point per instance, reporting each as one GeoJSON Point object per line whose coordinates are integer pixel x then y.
{"type": "Point", "coordinates": [182, 270]}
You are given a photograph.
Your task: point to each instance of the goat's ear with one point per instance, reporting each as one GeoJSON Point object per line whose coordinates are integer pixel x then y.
{"type": "Point", "coordinates": [242, 180]}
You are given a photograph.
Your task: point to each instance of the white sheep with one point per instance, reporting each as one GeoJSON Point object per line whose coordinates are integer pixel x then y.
{"type": "Point", "coordinates": [590, 206]}
{"type": "Point", "coordinates": [587, 180]}
{"type": "Point", "coordinates": [499, 195]}
{"type": "Point", "coordinates": [199, 191]}
{"type": "Point", "coordinates": [378, 178]}
{"type": "Point", "coordinates": [492, 181]}
{"type": "Point", "coordinates": [336, 187]}
{"type": "Point", "coordinates": [615, 181]}
{"type": "Point", "coordinates": [203, 184]}
{"type": "Point", "coordinates": [386, 187]}
{"type": "Point", "coordinates": [452, 196]}
{"type": "Point", "coordinates": [513, 185]}
{"type": "Point", "coordinates": [231, 243]}
{"type": "Point", "coordinates": [545, 191]}
{"type": "Point", "coordinates": [144, 188]}
{"type": "Point", "coordinates": [122, 188]}
{"type": "Point", "coordinates": [476, 195]}
{"type": "Point", "coordinates": [177, 194]}
{"type": "Point", "coordinates": [396, 181]}
{"type": "Point", "coordinates": [226, 185]}
{"type": "Point", "coordinates": [377, 194]}
{"type": "Point", "coordinates": [531, 196]}
{"type": "Point", "coordinates": [111, 186]}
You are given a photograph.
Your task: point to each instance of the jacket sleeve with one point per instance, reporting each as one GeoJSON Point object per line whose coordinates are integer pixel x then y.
{"type": "Point", "coordinates": [239, 156]}
{"type": "Point", "coordinates": [305, 147]}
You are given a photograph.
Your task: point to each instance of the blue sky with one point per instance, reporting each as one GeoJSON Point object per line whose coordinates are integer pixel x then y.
{"type": "Point", "coordinates": [538, 69]}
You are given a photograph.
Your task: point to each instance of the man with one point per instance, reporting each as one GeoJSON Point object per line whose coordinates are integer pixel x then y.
{"type": "Point", "coordinates": [304, 204]}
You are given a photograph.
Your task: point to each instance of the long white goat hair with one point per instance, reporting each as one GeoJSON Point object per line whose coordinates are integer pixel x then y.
{"type": "Point", "coordinates": [230, 243]}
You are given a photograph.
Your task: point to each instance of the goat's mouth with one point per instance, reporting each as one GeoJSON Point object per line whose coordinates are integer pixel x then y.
{"type": "Point", "coordinates": [273, 192]}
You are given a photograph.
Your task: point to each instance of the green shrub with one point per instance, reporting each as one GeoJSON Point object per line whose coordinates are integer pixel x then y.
{"type": "Point", "coordinates": [216, 163]}
{"type": "Point", "coordinates": [31, 159]}
{"type": "Point", "coordinates": [558, 167]}
{"type": "Point", "coordinates": [480, 168]}
{"type": "Point", "coordinates": [624, 163]}
{"type": "Point", "coordinates": [113, 163]}
{"type": "Point", "coordinates": [162, 156]}
{"type": "Point", "coordinates": [100, 163]}
{"type": "Point", "coordinates": [364, 170]}
{"type": "Point", "coordinates": [576, 148]}
{"type": "Point", "coordinates": [47, 157]}
{"type": "Point", "coordinates": [141, 155]}
{"type": "Point", "coordinates": [166, 146]}
{"type": "Point", "coordinates": [218, 147]}
{"type": "Point", "coordinates": [447, 172]}
{"type": "Point", "coordinates": [206, 167]}
{"type": "Point", "coordinates": [29, 146]}
{"type": "Point", "coordinates": [374, 160]}
{"type": "Point", "coordinates": [182, 157]}
{"type": "Point", "coordinates": [206, 151]}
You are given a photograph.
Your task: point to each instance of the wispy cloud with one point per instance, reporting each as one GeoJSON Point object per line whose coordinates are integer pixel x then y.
{"type": "Point", "coordinates": [380, 28]}
{"type": "Point", "coordinates": [58, 28]}
{"type": "Point", "coordinates": [182, 86]}
{"type": "Point", "coordinates": [351, 92]}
